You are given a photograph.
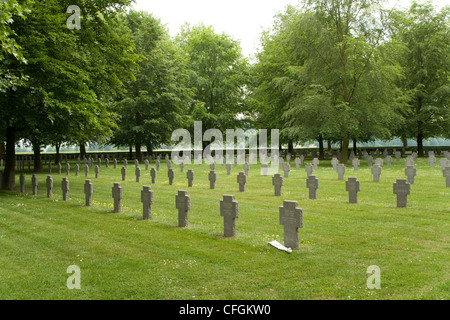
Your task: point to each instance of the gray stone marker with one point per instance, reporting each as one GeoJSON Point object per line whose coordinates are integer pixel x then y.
{"type": "Point", "coordinates": [312, 183]}
{"type": "Point", "coordinates": [125, 163]}
{"type": "Point", "coordinates": [190, 178]}
{"type": "Point", "coordinates": [246, 168]}
{"type": "Point", "coordinates": [388, 161]}
{"type": "Point", "coordinates": [77, 169]}
{"type": "Point", "coordinates": [228, 166]}
{"type": "Point", "coordinates": [157, 165]}
{"type": "Point", "coordinates": [171, 175]}
{"type": "Point", "coordinates": [398, 155]}
{"type": "Point", "coordinates": [117, 194]}
{"type": "Point", "coordinates": [183, 204]}
{"type": "Point", "coordinates": [264, 169]}
{"type": "Point", "coordinates": [34, 184]}
{"type": "Point", "coordinates": [97, 171]}
{"type": "Point", "coordinates": [86, 170]}
{"type": "Point", "coordinates": [402, 189]}
{"type": "Point", "coordinates": [356, 163]}
{"type": "Point", "coordinates": [315, 163]}
{"type": "Point", "coordinates": [124, 173]}
{"type": "Point", "coordinates": [277, 182]}
{"type": "Point", "coordinates": [443, 163]}
{"type": "Point", "coordinates": [379, 162]}
{"type": "Point", "coordinates": [291, 217]}
{"type": "Point", "coordinates": [137, 172]}
{"type": "Point", "coordinates": [50, 167]}
{"type": "Point", "coordinates": [446, 174]}
{"type": "Point", "coordinates": [182, 167]}
{"type": "Point", "coordinates": [147, 201]}
{"type": "Point", "coordinates": [67, 169]}
{"type": "Point", "coordinates": [352, 186]}
{"type": "Point", "coordinates": [432, 161]}
{"type": "Point", "coordinates": [212, 177]}
{"type": "Point", "coordinates": [309, 169]}
{"type": "Point", "coordinates": [242, 180]}
{"type": "Point", "coordinates": [297, 163]}
{"type": "Point", "coordinates": [107, 163]}
{"type": "Point", "coordinates": [409, 162]}
{"type": "Point", "coordinates": [153, 175]}
{"type": "Point", "coordinates": [115, 163]}
{"type": "Point", "coordinates": [334, 163]}
{"type": "Point", "coordinates": [88, 191]}
{"type": "Point", "coordinates": [369, 160]}
{"type": "Point", "coordinates": [341, 171]}
{"type": "Point", "coordinates": [229, 210]}
{"type": "Point", "coordinates": [410, 173]}
{"type": "Point", "coordinates": [65, 186]}
{"type": "Point", "coordinates": [146, 164]}
{"type": "Point", "coordinates": [22, 182]}
{"type": "Point", "coordinates": [376, 172]}
{"type": "Point", "coordinates": [49, 184]}
{"type": "Point", "coordinates": [286, 169]}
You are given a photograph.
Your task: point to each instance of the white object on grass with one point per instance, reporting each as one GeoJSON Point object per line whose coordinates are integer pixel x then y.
{"type": "Point", "coordinates": [279, 246]}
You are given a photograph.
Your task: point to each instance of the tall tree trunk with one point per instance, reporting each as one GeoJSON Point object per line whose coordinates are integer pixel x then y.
{"type": "Point", "coordinates": [291, 147]}
{"type": "Point", "coordinates": [329, 145]}
{"type": "Point", "coordinates": [138, 151]}
{"type": "Point", "coordinates": [149, 149]}
{"type": "Point", "coordinates": [58, 155]}
{"type": "Point", "coordinates": [355, 149]}
{"type": "Point", "coordinates": [10, 159]}
{"type": "Point", "coordinates": [344, 151]}
{"type": "Point", "coordinates": [130, 153]}
{"type": "Point", "coordinates": [82, 150]}
{"type": "Point", "coordinates": [2, 150]}
{"type": "Point", "coordinates": [420, 139]}
{"type": "Point", "coordinates": [37, 156]}
{"type": "Point", "coordinates": [405, 142]}
{"type": "Point", "coordinates": [321, 150]}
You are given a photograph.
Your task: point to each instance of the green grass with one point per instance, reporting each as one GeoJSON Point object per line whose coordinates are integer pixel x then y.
{"type": "Point", "coordinates": [122, 256]}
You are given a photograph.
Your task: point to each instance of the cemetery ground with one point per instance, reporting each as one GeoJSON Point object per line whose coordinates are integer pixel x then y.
{"type": "Point", "coordinates": [122, 256]}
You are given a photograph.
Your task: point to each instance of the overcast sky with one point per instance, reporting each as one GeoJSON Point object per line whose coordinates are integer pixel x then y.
{"type": "Point", "coordinates": [241, 19]}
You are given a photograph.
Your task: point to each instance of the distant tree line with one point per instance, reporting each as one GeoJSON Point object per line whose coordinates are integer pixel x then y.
{"type": "Point", "coordinates": [331, 71]}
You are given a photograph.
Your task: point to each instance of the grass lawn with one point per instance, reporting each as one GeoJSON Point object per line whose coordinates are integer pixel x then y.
{"type": "Point", "coordinates": [122, 256]}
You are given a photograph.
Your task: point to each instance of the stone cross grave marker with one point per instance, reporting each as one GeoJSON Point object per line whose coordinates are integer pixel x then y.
{"type": "Point", "coordinates": [410, 173]}
{"type": "Point", "coordinates": [246, 167]}
{"type": "Point", "coordinates": [432, 161]}
{"type": "Point", "coordinates": [22, 182]}
{"type": "Point", "coordinates": [352, 186]}
{"type": "Point", "coordinates": [157, 165]}
{"type": "Point", "coordinates": [97, 171]}
{"type": "Point", "coordinates": [334, 163]}
{"type": "Point", "coordinates": [117, 195]}
{"type": "Point", "coordinates": [277, 182]}
{"type": "Point", "coordinates": [146, 164]}
{"type": "Point", "coordinates": [264, 169]}
{"type": "Point", "coordinates": [312, 183]}
{"type": "Point", "coordinates": [297, 163]}
{"type": "Point", "coordinates": [190, 178]}
{"type": "Point", "coordinates": [341, 171]}
{"type": "Point", "coordinates": [409, 161]}
{"type": "Point", "coordinates": [153, 175]}
{"type": "Point", "coordinates": [286, 168]}
{"type": "Point", "coordinates": [115, 163]}
{"type": "Point", "coordinates": [182, 167]}
{"type": "Point", "coordinates": [49, 183]}
{"type": "Point", "coordinates": [65, 188]}
{"type": "Point", "coordinates": [379, 162]}
{"type": "Point", "coordinates": [107, 163]}
{"type": "Point", "coordinates": [125, 163]}
{"type": "Point", "coordinates": [388, 161]}
{"type": "Point", "coordinates": [315, 163]}
{"type": "Point", "coordinates": [309, 169]}
{"type": "Point", "coordinates": [356, 162]}
{"type": "Point", "coordinates": [212, 179]}
{"type": "Point", "coordinates": [446, 174]}
{"type": "Point", "coordinates": [67, 169]}
{"type": "Point", "coordinates": [402, 189]}
{"type": "Point", "coordinates": [443, 163]}
{"type": "Point", "coordinates": [369, 160]}
{"type": "Point", "coordinates": [229, 210]}
{"type": "Point", "coordinates": [34, 184]}
{"type": "Point", "coordinates": [242, 180]}
{"type": "Point", "coordinates": [183, 204]}
{"type": "Point", "coordinates": [376, 172]}
{"type": "Point", "coordinates": [124, 173]}
{"type": "Point", "coordinates": [147, 201]}
{"type": "Point", "coordinates": [86, 170]}
{"type": "Point", "coordinates": [291, 217]}
{"type": "Point", "coordinates": [228, 166]}
{"type": "Point", "coordinates": [50, 167]}
{"type": "Point", "coordinates": [77, 169]}
{"type": "Point", "coordinates": [137, 172]}
{"type": "Point", "coordinates": [88, 191]}
{"type": "Point", "coordinates": [398, 155]}
{"type": "Point", "coordinates": [171, 175]}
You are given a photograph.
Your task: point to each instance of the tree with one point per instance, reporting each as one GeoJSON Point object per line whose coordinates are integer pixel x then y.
{"type": "Point", "coordinates": [155, 104]}
{"type": "Point", "coordinates": [72, 75]}
{"type": "Point", "coordinates": [218, 74]}
{"type": "Point", "coordinates": [426, 64]}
